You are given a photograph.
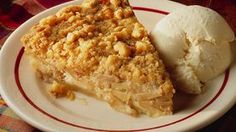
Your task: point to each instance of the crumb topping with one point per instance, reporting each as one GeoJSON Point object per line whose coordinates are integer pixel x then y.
{"type": "Point", "coordinates": [88, 37]}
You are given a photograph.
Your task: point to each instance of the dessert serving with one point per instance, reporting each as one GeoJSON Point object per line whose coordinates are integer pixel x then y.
{"type": "Point", "coordinates": [194, 43]}
{"type": "Point", "coordinates": [99, 48]}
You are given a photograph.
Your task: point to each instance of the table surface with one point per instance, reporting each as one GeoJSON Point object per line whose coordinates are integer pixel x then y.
{"type": "Point", "coordinates": [14, 12]}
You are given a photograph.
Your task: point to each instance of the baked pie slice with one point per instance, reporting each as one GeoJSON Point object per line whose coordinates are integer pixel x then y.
{"type": "Point", "coordinates": [100, 48]}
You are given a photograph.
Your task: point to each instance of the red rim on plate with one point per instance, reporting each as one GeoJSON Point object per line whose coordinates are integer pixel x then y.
{"type": "Point", "coordinates": [20, 88]}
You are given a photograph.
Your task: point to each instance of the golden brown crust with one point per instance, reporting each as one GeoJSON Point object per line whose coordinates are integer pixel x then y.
{"type": "Point", "coordinates": [100, 37]}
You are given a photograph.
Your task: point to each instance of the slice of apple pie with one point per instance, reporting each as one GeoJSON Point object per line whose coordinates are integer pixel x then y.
{"type": "Point", "coordinates": [100, 48]}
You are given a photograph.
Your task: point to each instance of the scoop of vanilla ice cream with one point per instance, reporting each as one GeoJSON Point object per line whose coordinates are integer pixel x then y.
{"type": "Point", "coordinates": [194, 44]}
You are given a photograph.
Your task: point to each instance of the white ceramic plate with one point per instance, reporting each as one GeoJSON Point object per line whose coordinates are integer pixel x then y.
{"type": "Point", "coordinates": [27, 97]}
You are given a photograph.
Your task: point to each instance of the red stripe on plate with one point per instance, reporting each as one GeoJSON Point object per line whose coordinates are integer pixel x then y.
{"type": "Point", "coordinates": [150, 10]}
{"type": "Point", "coordinates": [17, 79]}
{"type": "Point", "coordinates": [74, 125]}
